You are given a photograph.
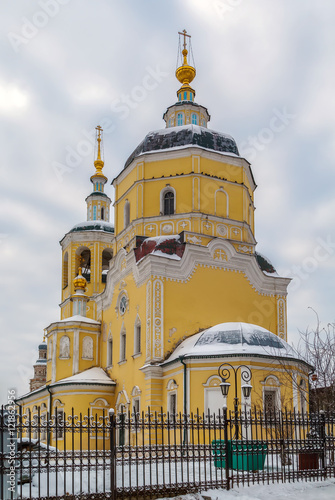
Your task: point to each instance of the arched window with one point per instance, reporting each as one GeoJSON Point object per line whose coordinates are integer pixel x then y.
{"type": "Point", "coordinates": [123, 345]}
{"type": "Point", "coordinates": [107, 255]}
{"type": "Point", "coordinates": [64, 347]}
{"type": "Point", "coordinates": [110, 352]}
{"type": "Point", "coordinates": [83, 260]}
{"type": "Point", "coordinates": [102, 213]}
{"type": "Point", "coordinates": [185, 96]}
{"type": "Point", "coordinates": [87, 352]}
{"type": "Point", "coordinates": [172, 400]}
{"type": "Point", "coordinates": [65, 270]}
{"type": "Point", "coordinates": [194, 119]}
{"type": "Point", "coordinates": [169, 203]}
{"type": "Point", "coordinates": [126, 214]}
{"type": "Point", "coordinates": [137, 336]}
{"type": "Point", "coordinates": [180, 119]}
{"type": "Point", "coordinates": [94, 212]}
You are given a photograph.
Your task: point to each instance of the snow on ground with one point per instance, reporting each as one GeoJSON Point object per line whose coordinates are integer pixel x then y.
{"type": "Point", "coordinates": [301, 490]}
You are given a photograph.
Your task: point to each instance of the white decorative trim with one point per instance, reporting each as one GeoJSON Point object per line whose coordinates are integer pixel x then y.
{"type": "Point", "coordinates": [182, 270]}
{"type": "Point", "coordinates": [152, 227]}
{"type": "Point", "coordinates": [212, 381]}
{"type": "Point", "coordinates": [195, 240]}
{"type": "Point", "coordinates": [136, 391]}
{"type": "Point", "coordinates": [167, 228]}
{"type": "Point", "coordinates": [222, 230]}
{"type": "Point", "coordinates": [185, 225]}
{"type": "Point", "coordinates": [196, 192]}
{"type": "Point", "coordinates": [75, 365]}
{"type": "Point", "coordinates": [158, 320]}
{"type": "Point", "coordinates": [245, 249]}
{"type": "Point", "coordinates": [99, 404]}
{"type": "Point", "coordinates": [148, 322]}
{"type": "Point", "coordinates": [209, 226]}
{"type": "Point", "coordinates": [171, 385]}
{"type": "Point", "coordinates": [281, 315]}
{"type": "Point", "coordinates": [235, 233]}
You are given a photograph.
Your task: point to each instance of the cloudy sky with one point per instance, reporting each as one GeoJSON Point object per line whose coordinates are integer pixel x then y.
{"type": "Point", "coordinates": [266, 72]}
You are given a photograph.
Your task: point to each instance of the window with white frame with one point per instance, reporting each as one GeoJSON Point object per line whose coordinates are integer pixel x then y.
{"type": "Point", "coordinates": [169, 203]}
{"type": "Point", "coordinates": [137, 337]}
{"type": "Point", "coordinates": [270, 401]}
{"type": "Point", "coordinates": [136, 405]}
{"type": "Point", "coordinates": [179, 119]}
{"type": "Point", "coordinates": [110, 352]}
{"type": "Point", "coordinates": [172, 404]}
{"type": "Point", "coordinates": [123, 346]}
{"type": "Point", "coordinates": [172, 399]}
{"type": "Point", "coordinates": [126, 214]}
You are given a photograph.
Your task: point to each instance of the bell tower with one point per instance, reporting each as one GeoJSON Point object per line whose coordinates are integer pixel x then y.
{"type": "Point", "coordinates": [88, 247]}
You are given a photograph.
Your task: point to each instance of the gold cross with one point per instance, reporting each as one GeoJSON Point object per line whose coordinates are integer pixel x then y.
{"type": "Point", "coordinates": [99, 129]}
{"type": "Point", "coordinates": [184, 33]}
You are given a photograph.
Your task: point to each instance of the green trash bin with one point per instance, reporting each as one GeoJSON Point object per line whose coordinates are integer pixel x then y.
{"type": "Point", "coordinates": [219, 451]}
{"type": "Point", "coordinates": [241, 455]}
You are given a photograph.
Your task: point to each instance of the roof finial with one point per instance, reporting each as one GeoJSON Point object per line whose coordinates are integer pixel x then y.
{"type": "Point", "coordinates": [99, 130]}
{"type": "Point", "coordinates": [185, 51]}
{"type": "Point", "coordinates": [99, 163]}
{"type": "Point", "coordinates": [185, 73]}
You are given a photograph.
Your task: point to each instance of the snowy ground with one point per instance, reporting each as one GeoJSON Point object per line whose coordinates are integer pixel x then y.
{"type": "Point", "coordinates": [302, 490]}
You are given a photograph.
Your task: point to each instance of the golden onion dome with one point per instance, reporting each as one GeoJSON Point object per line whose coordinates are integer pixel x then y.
{"type": "Point", "coordinates": [185, 73]}
{"type": "Point", "coordinates": [79, 282]}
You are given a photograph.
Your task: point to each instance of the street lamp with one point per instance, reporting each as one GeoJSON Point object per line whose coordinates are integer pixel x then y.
{"type": "Point", "coordinates": [224, 373]}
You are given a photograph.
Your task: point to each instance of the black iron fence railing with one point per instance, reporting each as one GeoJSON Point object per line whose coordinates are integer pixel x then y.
{"type": "Point", "coordinates": [153, 454]}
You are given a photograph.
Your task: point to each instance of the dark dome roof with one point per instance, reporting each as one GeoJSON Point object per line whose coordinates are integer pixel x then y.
{"type": "Point", "coordinates": [93, 225]}
{"type": "Point", "coordinates": [186, 135]}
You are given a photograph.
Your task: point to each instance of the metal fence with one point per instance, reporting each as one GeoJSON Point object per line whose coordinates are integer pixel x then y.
{"type": "Point", "coordinates": [155, 454]}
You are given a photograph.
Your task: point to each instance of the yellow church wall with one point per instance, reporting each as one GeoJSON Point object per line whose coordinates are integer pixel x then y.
{"type": "Point", "coordinates": [213, 196]}
{"type": "Point", "coordinates": [229, 297]}
{"type": "Point", "coordinates": [185, 188]}
{"type": "Point", "coordinates": [88, 400]}
{"type": "Point", "coordinates": [202, 374]}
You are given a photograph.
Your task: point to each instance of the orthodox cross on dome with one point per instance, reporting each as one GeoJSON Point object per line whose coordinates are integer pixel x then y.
{"type": "Point", "coordinates": [99, 163]}
{"type": "Point", "coordinates": [99, 130]}
{"type": "Point", "coordinates": [185, 73]}
{"type": "Point", "coordinates": [184, 34]}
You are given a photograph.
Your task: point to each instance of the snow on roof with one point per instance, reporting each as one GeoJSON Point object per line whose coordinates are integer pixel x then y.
{"type": "Point", "coordinates": [234, 338]}
{"type": "Point", "coordinates": [78, 317]}
{"type": "Point", "coordinates": [169, 247]}
{"type": "Point", "coordinates": [93, 375]}
{"type": "Point", "coordinates": [194, 128]}
{"type": "Point", "coordinates": [176, 148]}
{"type": "Point", "coordinates": [93, 225]}
{"type": "Point", "coordinates": [161, 239]}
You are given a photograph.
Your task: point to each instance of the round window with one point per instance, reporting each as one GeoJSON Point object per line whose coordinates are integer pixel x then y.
{"type": "Point", "coordinates": [123, 304]}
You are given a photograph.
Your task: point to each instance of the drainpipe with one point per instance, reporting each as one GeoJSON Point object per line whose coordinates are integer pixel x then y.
{"type": "Point", "coordinates": [50, 406]}
{"type": "Point", "coordinates": [181, 359]}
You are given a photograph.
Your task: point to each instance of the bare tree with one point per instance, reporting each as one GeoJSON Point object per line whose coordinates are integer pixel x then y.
{"type": "Point", "coordinates": [317, 347]}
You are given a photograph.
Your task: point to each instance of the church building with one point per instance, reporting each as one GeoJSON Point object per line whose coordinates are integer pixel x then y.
{"type": "Point", "coordinates": [154, 303]}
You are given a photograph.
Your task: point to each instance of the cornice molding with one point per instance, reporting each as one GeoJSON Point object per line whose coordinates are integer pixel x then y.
{"type": "Point", "coordinates": [218, 254]}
